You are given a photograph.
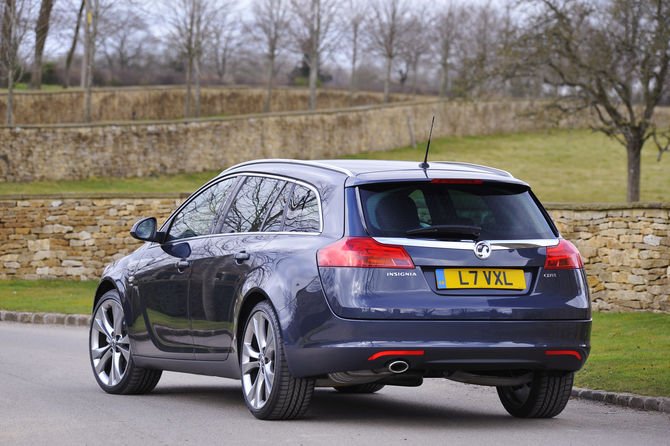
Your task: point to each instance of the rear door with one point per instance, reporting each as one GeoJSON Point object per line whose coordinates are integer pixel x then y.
{"type": "Point", "coordinates": [225, 266]}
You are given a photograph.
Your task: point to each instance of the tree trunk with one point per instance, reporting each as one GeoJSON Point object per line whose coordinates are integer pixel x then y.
{"type": "Point", "coordinates": [271, 73]}
{"type": "Point", "coordinates": [87, 32]}
{"type": "Point", "coordinates": [313, 77]}
{"type": "Point", "coordinates": [387, 79]}
{"type": "Point", "coordinates": [41, 31]}
{"type": "Point", "coordinates": [634, 150]}
{"type": "Point", "coordinates": [6, 38]}
{"type": "Point", "coordinates": [353, 76]}
{"type": "Point", "coordinates": [189, 64]}
{"type": "Point", "coordinates": [68, 62]}
{"type": "Point", "coordinates": [197, 86]}
{"type": "Point", "coordinates": [91, 58]}
{"type": "Point", "coordinates": [414, 66]}
{"type": "Point", "coordinates": [445, 81]}
{"type": "Point", "coordinates": [10, 94]}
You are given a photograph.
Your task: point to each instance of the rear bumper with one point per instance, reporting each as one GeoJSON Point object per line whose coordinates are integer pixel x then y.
{"type": "Point", "coordinates": [346, 345]}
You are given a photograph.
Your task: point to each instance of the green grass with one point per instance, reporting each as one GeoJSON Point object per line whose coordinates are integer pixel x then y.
{"type": "Point", "coordinates": [159, 183]}
{"type": "Point", "coordinates": [630, 353]}
{"type": "Point", "coordinates": [47, 296]}
{"type": "Point", "coordinates": [23, 86]}
{"type": "Point", "coordinates": [576, 166]}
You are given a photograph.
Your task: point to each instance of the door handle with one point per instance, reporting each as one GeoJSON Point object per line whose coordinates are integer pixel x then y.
{"type": "Point", "coordinates": [182, 265]}
{"type": "Point", "coordinates": [241, 257]}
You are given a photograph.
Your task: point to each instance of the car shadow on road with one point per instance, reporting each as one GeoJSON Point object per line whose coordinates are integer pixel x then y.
{"type": "Point", "coordinates": [390, 410]}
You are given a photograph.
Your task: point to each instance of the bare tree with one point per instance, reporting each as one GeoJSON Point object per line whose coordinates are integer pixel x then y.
{"type": "Point", "coordinates": [125, 44]}
{"type": "Point", "coordinates": [447, 29]}
{"type": "Point", "coordinates": [415, 47]}
{"type": "Point", "coordinates": [354, 22]}
{"type": "Point", "coordinates": [315, 32]}
{"type": "Point", "coordinates": [610, 57]}
{"type": "Point", "coordinates": [388, 27]}
{"type": "Point", "coordinates": [270, 30]}
{"type": "Point", "coordinates": [190, 23]}
{"type": "Point", "coordinates": [73, 47]}
{"type": "Point", "coordinates": [41, 32]}
{"type": "Point", "coordinates": [15, 25]}
{"type": "Point", "coordinates": [226, 41]}
{"type": "Point", "coordinates": [480, 51]}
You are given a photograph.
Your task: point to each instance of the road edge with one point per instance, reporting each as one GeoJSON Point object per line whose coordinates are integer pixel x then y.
{"type": "Point", "coordinates": [647, 403]}
{"type": "Point", "coordinates": [72, 320]}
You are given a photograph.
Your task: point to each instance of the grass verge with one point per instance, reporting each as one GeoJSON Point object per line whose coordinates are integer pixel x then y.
{"type": "Point", "coordinates": [47, 296]}
{"type": "Point", "coordinates": [631, 352]}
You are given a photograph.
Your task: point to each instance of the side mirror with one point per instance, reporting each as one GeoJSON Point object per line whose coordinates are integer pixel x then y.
{"type": "Point", "coordinates": [145, 230]}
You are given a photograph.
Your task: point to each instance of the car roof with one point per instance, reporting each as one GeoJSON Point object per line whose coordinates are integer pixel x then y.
{"type": "Point", "coordinates": [372, 171]}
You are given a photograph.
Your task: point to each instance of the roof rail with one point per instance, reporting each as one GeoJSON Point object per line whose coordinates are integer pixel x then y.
{"type": "Point", "coordinates": [479, 166]}
{"type": "Point", "coordinates": [289, 161]}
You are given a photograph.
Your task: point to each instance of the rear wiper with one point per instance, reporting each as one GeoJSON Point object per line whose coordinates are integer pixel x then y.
{"type": "Point", "coordinates": [447, 232]}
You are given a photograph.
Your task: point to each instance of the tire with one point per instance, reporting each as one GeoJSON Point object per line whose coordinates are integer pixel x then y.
{"type": "Point", "coordinates": [360, 388]}
{"type": "Point", "coordinates": [545, 396]}
{"type": "Point", "coordinates": [109, 351]}
{"type": "Point", "coordinates": [269, 389]}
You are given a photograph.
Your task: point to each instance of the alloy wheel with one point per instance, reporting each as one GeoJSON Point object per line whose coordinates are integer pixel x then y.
{"type": "Point", "coordinates": [258, 360]}
{"type": "Point", "coordinates": [110, 347]}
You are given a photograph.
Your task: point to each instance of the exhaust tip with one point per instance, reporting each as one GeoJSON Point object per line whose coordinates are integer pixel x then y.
{"type": "Point", "coordinates": [398, 366]}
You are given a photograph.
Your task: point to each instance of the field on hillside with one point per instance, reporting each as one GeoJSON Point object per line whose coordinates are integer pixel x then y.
{"type": "Point", "coordinates": [576, 166]}
{"type": "Point", "coordinates": [563, 166]}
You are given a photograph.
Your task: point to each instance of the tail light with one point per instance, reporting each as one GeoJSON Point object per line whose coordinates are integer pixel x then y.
{"type": "Point", "coordinates": [364, 252]}
{"type": "Point", "coordinates": [563, 256]}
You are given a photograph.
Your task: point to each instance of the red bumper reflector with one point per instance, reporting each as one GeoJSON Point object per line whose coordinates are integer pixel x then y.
{"type": "Point", "coordinates": [562, 353]}
{"type": "Point", "coordinates": [396, 353]}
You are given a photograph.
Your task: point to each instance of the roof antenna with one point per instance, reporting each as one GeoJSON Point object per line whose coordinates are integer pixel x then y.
{"type": "Point", "coordinates": [425, 164]}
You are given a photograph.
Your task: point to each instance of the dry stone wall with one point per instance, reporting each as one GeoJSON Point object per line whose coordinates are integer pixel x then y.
{"type": "Point", "coordinates": [159, 103]}
{"type": "Point", "coordinates": [74, 152]}
{"type": "Point", "coordinates": [626, 252]}
{"type": "Point", "coordinates": [626, 248]}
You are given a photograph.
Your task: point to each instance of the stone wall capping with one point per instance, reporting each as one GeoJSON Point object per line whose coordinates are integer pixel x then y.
{"type": "Point", "coordinates": [92, 196]}
{"type": "Point", "coordinates": [605, 206]}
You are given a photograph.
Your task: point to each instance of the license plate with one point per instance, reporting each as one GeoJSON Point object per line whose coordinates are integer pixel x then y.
{"type": "Point", "coordinates": [480, 278]}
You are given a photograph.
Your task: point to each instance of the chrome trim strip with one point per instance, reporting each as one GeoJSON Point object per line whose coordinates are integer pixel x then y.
{"type": "Point", "coordinates": [496, 245]}
{"type": "Point", "coordinates": [288, 161]}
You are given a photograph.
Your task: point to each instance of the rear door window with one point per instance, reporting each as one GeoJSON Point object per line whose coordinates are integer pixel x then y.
{"type": "Point", "coordinates": [502, 211]}
{"type": "Point", "coordinates": [251, 205]}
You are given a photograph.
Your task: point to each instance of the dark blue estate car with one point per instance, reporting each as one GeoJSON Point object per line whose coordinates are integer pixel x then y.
{"type": "Point", "coordinates": [349, 274]}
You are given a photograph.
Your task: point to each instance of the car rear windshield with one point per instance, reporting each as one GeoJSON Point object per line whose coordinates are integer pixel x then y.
{"type": "Point", "coordinates": [502, 211]}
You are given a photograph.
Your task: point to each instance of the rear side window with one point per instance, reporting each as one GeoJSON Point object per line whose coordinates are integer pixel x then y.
{"type": "Point", "coordinates": [302, 212]}
{"type": "Point", "coordinates": [502, 211]}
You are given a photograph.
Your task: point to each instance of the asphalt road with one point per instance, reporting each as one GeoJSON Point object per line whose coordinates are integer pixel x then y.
{"type": "Point", "coordinates": [48, 396]}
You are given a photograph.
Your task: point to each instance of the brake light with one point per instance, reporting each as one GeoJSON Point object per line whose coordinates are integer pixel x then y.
{"type": "Point", "coordinates": [364, 252]}
{"type": "Point", "coordinates": [455, 181]}
{"type": "Point", "coordinates": [563, 256]}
